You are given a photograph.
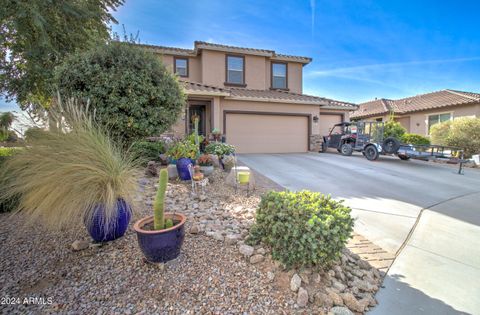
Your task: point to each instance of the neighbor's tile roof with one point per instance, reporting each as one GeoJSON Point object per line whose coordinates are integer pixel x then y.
{"type": "Point", "coordinates": [434, 100]}
{"type": "Point", "coordinates": [199, 45]}
{"type": "Point", "coordinates": [193, 88]}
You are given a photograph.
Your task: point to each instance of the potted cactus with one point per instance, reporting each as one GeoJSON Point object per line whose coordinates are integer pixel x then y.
{"type": "Point", "coordinates": [160, 236]}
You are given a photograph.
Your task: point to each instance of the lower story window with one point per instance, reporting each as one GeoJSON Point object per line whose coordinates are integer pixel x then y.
{"type": "Point", "coordinates": [435, 119]}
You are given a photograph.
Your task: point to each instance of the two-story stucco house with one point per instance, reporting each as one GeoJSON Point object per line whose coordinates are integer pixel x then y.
{"type": "Point", "coordinates": [253, 96]}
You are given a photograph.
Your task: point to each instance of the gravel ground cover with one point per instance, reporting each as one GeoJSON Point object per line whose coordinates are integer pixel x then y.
{"type": "Point", "coordinates": [216, 273]}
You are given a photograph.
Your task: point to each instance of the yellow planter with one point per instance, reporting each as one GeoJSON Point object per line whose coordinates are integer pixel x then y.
{"type": "Point", "coordinates": [243, 177]}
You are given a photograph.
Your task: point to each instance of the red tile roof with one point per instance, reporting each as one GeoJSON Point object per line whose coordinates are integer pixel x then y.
{"type": "Point", "coordinates": [264, 95]}
{"type": "Point", "coordinates": [199, 45]}
{"type": "Point", "coordinates": [434, 100]}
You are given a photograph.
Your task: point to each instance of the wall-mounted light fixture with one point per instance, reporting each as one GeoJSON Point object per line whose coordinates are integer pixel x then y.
{"type": "Point", "coordinates": [315, 119]}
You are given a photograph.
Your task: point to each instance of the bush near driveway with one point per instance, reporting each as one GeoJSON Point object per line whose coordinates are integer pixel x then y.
{"type": "Point", "coordinates": [462, 132]}
{"type": "Point", "coordinates": [303, 228]}
{"type": "Point", "coordinates": [131, 91]}
{"type": "Point", "coordinates": [9, 203]}
{"type": "Point", "coordinates": [412, 138]}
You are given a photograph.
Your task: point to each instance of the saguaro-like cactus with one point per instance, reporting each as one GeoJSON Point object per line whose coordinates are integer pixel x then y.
{"type": "Point", "coordinates": [159, 205]}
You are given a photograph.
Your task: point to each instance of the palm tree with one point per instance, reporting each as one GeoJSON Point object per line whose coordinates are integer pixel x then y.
{"type": "Point", "coordinates": [6, 120]}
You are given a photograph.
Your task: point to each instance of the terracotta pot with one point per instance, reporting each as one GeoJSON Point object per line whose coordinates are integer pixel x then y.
{"type": "Point", "coordinates": [162, 245]}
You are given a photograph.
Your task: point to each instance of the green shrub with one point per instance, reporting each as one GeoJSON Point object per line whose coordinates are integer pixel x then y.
{"type": "Point", "coordinates": [393, 129]}
{"type": "Point", "coordinates": [4, 152]}
{"type": "Point", "coordinates": [147, 150]}
{"type": "Point", "coordinates": [219, 148]}
{"type": "Point", "coordinates": [302, 228]}
{"type": "Point", "coordinates": [439, 132]}
{"type": "Point", "coordinates": [462, 132]}
{"type": "Point", "coordinates": [412, 138]}
{"type": "Point", "coordinates": [130, 90]}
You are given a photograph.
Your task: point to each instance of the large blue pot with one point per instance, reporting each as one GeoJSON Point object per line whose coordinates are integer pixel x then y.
{"type": "Point", "coordinates": [182, 168]}
{"type": "Point", "coordinates": [103, 233]}
{"type": "Point", "coordinates": [163, 245]}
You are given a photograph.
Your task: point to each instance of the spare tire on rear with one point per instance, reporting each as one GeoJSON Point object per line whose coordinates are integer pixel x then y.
{"type": "Point", "coordinates": [391, 145]}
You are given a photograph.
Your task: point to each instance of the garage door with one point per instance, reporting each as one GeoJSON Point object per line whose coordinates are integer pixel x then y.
{"type": "Point", "coordinates": [252, 133]}
{"type": "Point", "coordinates": [327, 122]}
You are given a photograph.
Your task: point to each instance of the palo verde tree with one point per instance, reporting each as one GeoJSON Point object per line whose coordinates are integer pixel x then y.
{"type": "Point", "coordinates": [35, 36]}
{"type": "Point", "coordinates": [131, 91]}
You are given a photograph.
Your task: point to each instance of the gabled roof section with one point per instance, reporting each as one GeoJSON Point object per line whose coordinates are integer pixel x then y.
{"type": "Point", "coordinates": [433, 100]}
{"type": "Point", "coordinates": [199, 46]}
{"type": "Point", "coordinates": [275, 96]}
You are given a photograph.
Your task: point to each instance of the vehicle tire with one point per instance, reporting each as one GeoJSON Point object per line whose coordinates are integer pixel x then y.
{"type": "Point", "coordinates": [371, 153]}
{"type": "Point", "coordinates": [404, 157]}
{"type": "Point", "coordinates": [346, 149]}
{"type": "Point", "coordinates": [391, 145]}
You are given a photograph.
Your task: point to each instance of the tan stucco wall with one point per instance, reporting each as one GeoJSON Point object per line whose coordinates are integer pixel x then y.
{"type": "Point", "coordinates": [419, 121]}
{"type": "Point", "coordinates": [295, 77]}
{"type": "Point", "coordinates": [194, 67]}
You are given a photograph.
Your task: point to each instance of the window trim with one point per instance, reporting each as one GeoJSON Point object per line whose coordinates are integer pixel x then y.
{"type": "Point", "coordinates": [226, 71]}
{"type": "Point", "coordinates": [427, 116]}
{"type": "Point", "coordinates": [286, 75]}
{"type": "Point", "coordinates": [175, 58]}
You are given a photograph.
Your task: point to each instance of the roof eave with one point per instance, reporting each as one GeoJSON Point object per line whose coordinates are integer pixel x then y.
{"type": "Point", "coordinates": [273, 100]}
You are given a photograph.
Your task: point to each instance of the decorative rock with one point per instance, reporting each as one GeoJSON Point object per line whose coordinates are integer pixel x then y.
{"type": "Point", "coordinates": [270, 276]}
{"type": "Point", "coordinates": [80, 245]}
{"type": "Point", "coordinates": [232, 239]}
{"type": "Point", "coordinates": [338, 286]}
{"type": "Point", "coordinates": [218, 236]}
{"type": "Point", "coordinates": [302, 297]}
{"type": "Point", "coordinates": [317, 278]}
{"type": "Point", "coordinates": [365, 265]}
{"type": "Point", "coordinates": [261, 251]}
{"type": "Point", "coordinates": [163, 158]}
{"type": "Point", "coordinates": [295, 283]}
{"type": "Point", "coordinates": [351, 302]}
{"type": "Point", "coordinates": [340, 310]}
{"type": "Point", "coordinates": [151, 170]}
{"type": "Point", "coordinates": [322, 299]}
{"type": "Point", "coordinates": [304, 277]}
{"type": "Point", "coordinates": [194, 229]}
{"type": "Point", "coordinates": [335, 297]}
{"type": "Point", "coordinates": [246, 250]}
{"type": "Point", "coordinates": [255, 259]}
{"type": "Point", "coordinates": [364, 285]}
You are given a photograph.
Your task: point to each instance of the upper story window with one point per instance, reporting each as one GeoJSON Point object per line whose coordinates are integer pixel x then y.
{"type": "Point", "coordinates": [279, 75]}
{"type": "Point", "coordinates": [235, 70]}
{"type": "Point", "coordinates": [181, 66]}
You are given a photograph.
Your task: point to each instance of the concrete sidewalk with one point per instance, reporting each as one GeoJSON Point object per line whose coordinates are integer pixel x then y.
{"type": "Point", "coordinates": [437, 269]}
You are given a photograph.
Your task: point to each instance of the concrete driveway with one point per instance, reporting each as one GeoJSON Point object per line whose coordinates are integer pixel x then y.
{"type": "Point", "coordinates": [425, 213]}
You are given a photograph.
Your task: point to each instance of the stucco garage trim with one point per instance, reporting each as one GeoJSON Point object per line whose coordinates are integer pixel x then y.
{"type": "Point", "coordinates": [308, 116]}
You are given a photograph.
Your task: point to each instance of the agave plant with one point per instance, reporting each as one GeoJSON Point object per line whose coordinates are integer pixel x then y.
{"type": "Point", "coordinates": [65, 174]}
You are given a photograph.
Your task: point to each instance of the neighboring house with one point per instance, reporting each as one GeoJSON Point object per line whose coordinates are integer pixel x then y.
{"type": "Point", "coordinates": [418, 113]}
{"type": "Point", "coordinates": [253, 96]}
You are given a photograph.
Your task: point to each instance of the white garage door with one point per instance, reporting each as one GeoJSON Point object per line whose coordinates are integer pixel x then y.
{"type": "Point", "coordinates": [253, 133]}
{"type": "Point", "coordinates": [327, 122]}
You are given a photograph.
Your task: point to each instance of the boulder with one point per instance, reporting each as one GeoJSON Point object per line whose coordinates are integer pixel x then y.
{"type": "Point", "coordinates": [151, 170]}
{"type": "Point", "coordinates": [246, 250]}
{"type": "Point", "coordinates": [352, 303]}
{"type": "Point", "coordinates": [340, 310]}
{"type": "Point", "coordinates": [80, 245]}
{"type": "Point", "coordinates": [295, 283]}
{"type": "Point", "coordinates": [255, 259]}
{"type": "Point", "coordinates": [302, 297]}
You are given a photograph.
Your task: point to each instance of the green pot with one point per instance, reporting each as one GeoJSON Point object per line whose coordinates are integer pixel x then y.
{"type": "Point", "coordinates": [243, 177]}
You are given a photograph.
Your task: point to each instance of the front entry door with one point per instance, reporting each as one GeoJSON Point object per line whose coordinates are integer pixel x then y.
{"type": "Point", "coordinates": [198, 110]}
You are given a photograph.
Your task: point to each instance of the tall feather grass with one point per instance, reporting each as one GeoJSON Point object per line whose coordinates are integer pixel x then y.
{"type": "Point", "coordinates": [65, 173]}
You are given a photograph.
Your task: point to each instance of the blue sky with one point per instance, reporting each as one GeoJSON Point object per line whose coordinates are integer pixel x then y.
{"type": "Point", "coordinates": [360, 49]}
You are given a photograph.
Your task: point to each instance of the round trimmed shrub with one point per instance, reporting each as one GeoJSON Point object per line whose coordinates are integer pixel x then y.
{"type": "Point", "coordinates": [130, 90]}
{"type": "Point", "coordinates": [463, 132]}
{"type": "Point", "coordinates": [303, 228]}
{"type": "Point", "coordinates": [393, 129]}
{"type": "Point", "coordinates": [412, 138]}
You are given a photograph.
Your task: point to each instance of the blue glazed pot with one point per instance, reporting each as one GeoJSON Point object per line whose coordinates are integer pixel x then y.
{"type": "Point", "coordinates": [182, 168]}
{"type": "Point", "coordinates": [102, 233]}
{"type": "Point", "coordinates": [163, 245]}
